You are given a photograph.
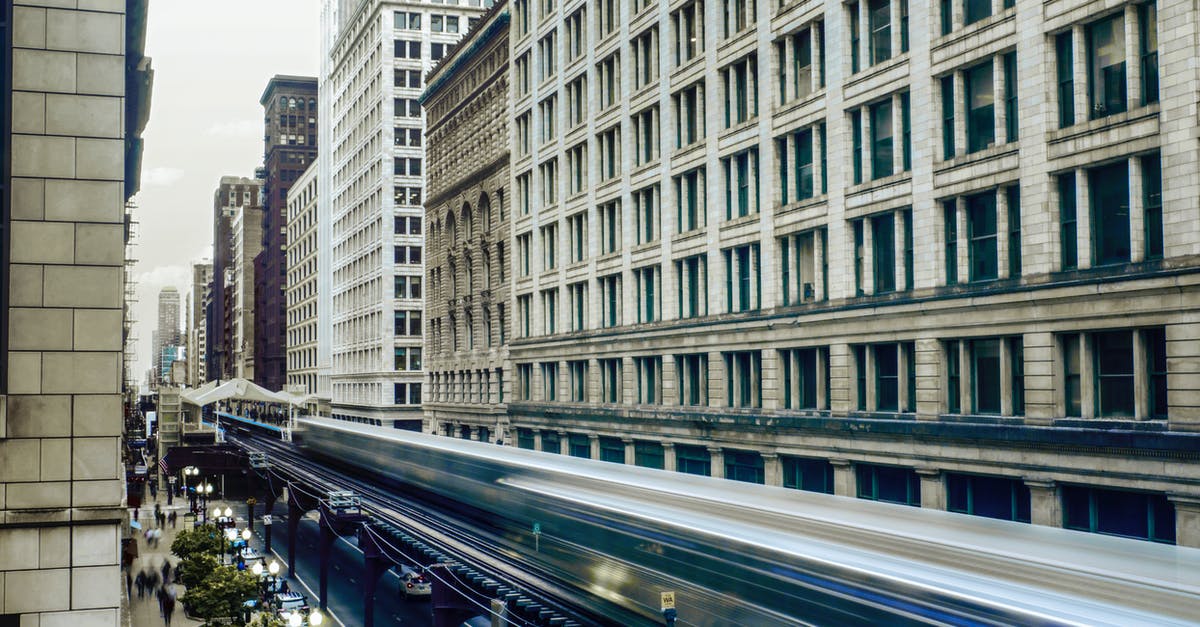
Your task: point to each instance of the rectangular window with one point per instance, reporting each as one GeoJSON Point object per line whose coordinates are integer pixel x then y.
{"type": "Point", "coordinates": [1106, 66]}
{"type": "Point", "coordinates": [612, 450]}
{"type": "Point", "coordinates": [888, 484]}
{"type": "Point", "coordinates": [688, 24]}
{"type": "Point", "coordinates": [576, 35]}
{"type": "Point", "coordinates": [646, 214]}
{"type": "Point", "coordinates": [1013, 194]}
{"type": "Point", "coordinates": [525, 439]}
{"type": "Point", "coordinates": [906, 131]}
{"type": "Point", "coordinates": [577, 292]}
{"type": "Point", "coordinates": [881, 139]}
{"type": "Point", "coordinates": [740, 79]}
{"type": "Point", "coordinates": [1016, 353]}
{"type": "Point", "coordinates": [743, 378]}
{"type": "Point", "coordinates": [802, 142]}
{"type": "Point", "coordinates": [1152, 203]}
{"type": "Point", "coordinates": [549, 381]}
{"type": "Point", "coordinates": [887, 377]}
{"type": "Point", "coordinates": [649, 380]}
{"type": "Point", "coordinates": [689, 114]}
{"type": "Point", "coordinates": [551, 441]}
{"type": "Point", "coordinates": [860, 376]}
{"type": "Point", "coordinates": [1011, 132]}
{"type": "Point", "coordinates": [645, 135]}
{"type": "Point", "coordinates": [799, 262]}
{"type": "Point", "coordinates": [1108, 192]}
{"type": "Point", "coordinates": [985, 375]}
{"type": "Point", "coordinates": [1113, 356]}
{"type": "Point", "coordinates": [744, 466]}
{"type": "Point", "coordinates": [524, 310]}
{"type": "Point", "coordinates": [739, 15]}
{"type": "Point", "coordinates": [693, 460]}
{"type": "Point", "coordinates": [649, 287]}
{"type": "Point", "coordinates": [947, 117]}
{"type": "Point", "coordinates": [610, 300]}
{"type": "Point", "coordinates": [548, 172]}
{"type": "Point", "coordinates": [810, 475]}
{"type": "Point", "coordinates": [691, 212]}
{"type": "Point", "coordinates": [1156, 355]}
{"type": "Point", "coordinates": [982, 237]}
{"type": "Point", "coordinates": [990, 497]}
{"type": "Point", "coordinates": [946, 13]}
{"type": "Point", "coordinates": [649, 455]}
{"type": "Point", "coordinates": [524, 192]}
{"type": "Point", "coordinates": [579, 445]}
{"type": "Point", "coordinates": [879, 17]}
{"type": "Point", "coordinates": [800, 377]}
{"type": "Point", "coordinates": [577, 169]}
{"type": "Point", "coordinates": [609, 142]}
{"type": "Point", "coordinates": [742, 278]}
{"type": "Point", "coordinates": [525, 385]}
{"type": "Point", "coordinates": [908, 248]}
{"type": "Point", "coordinates": [860, 258]}
{"type": "Point", "coordinates": [852, 9]}
{"type": "Point", "coordinates": [577, 102]}
{"type": "Point", "coordinates": [547, 55]}
{"type": "Point", "coordinates": [802, 66]}
{"type": "Point", "coordinates": [609, 215]}
{"type": "Point", "coordinates": [548, 118]}
{"type": "Point", "coordinates": [524, 252]}
{"type": "Point", "coordinates": [644, 48]}
{"type": "Point", "coordinates": [549, 311]}
{"type": "Point", "coordinates": [405, 49]}
{"type": "Point", "coordinates": [856, 145]}
{"type": "Point", "coordinates": [692, 276]}
{"type": "Point", "coordinates": [950, 237]}
{"type": "Point", "coordinates": [741, 184]}
{"type": "Point", "coordinates": [608, 76]}
{"type": "Point", "coordinates": [981, 101]}
{"type": "Point", "coordinates": [610, 380]}
{"type": "Point", "coordinates": [953, 378]}
{"type": "Point", "coordinates": [1148, 50]}
{"type": "Point", "coordinates": [691, 373]}
{"type": "Point", "coordinates": [578, 372]}
{"type": "Point", "coordinates": [1068, 221]}
{"type": "Point", "coordinates": [1064, 53]}
{"type": "Point", "coordinates": [883, 248]}
{"type": "Point", "coordinates": [975, 10]}
{"type": "Point", "coordinates": [1139, 515]}
{"type": "Point", "coordinates": [608, 17]}
{"type": "Point", "coordinates": [577, 232]}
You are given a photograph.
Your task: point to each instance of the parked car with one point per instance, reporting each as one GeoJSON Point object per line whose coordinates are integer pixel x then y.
{"type": "Point", "coordinates": [413, 583]}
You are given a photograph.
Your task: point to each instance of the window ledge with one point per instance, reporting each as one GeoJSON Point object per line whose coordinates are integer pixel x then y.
{"type": "Point", "coordinates": [969, 30]}
{"type": "Point", "coordinates": [1123, 118]}
{"type": "Point", "coordinates": [872, 72]}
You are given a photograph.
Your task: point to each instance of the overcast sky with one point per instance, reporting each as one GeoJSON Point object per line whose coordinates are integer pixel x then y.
{"type": "Point", "coordinates": [212, 61]}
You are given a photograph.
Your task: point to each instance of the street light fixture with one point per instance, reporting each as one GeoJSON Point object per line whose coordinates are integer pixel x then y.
{"type": "Point", "coordinates": [246, 534]}
{"type": "Point", "coordinates": [295, 620]}
{"type": "Point", "coordinates": [315, 618]}
{"type": "Point", "coordinates": [228, 512]}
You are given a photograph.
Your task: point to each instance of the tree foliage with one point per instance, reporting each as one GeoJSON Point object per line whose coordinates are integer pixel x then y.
{"type": "Point", "coordinates": [192, 571]}
{"type": "Point", "coordinates": [221, 594]}
{"type": "Point", "coordinates": [203, 540]}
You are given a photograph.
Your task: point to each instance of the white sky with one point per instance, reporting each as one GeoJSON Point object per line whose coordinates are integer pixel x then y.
{"type": "Point", "coordinates": [212, 61]}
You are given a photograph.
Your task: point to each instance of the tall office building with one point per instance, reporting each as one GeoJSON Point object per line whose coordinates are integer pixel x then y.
{"type": "Point", "coordinates": [466, 287]}
{"type": "Point", "coordinates": [303, 322]}
{"type": "Point", "coordinates": [377, 63]}
{"type": "Point", "coordinates": [196, 327]}
{"type": "Point", "coordinates": [735, 257]}
{"type": "Point", "coordinates": [75, 94]}
{"type": "Point", "coordinates": [168, 319]}
{"type": "Point", "coordinates": [234, 196]}
{"type": "Point", "coordinates": [290, 146]}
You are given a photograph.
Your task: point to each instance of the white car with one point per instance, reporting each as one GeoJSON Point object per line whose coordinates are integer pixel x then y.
{"type": "Point", "coordinates": [413, 583]}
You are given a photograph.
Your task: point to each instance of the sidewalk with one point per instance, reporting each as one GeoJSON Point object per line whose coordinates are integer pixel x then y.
{"type": "Point", "coordinates": [144, 612]}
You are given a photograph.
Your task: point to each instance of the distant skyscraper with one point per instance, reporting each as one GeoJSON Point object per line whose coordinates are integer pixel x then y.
{"type": "Point", "coordinates": [167, 333]}
{"type": "Point", "coordinates": [196, 327]}
{"type": "Point", "coordinates": [290, 139]}
{"type": "Point", "coordinates": [233, 196]}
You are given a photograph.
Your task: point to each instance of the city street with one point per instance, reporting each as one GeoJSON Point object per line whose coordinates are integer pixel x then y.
{"type": "Point", "coordinates": [345, 587]}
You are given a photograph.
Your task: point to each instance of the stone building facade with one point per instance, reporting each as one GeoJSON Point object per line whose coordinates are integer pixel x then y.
{"type": "Point", "coordinates": [77, 86]}
{"type": "Point", "coordinates": [377, 155]}
{"type": "Point", "coordinates": [245, 228]}
{"type": "Point", "coordinates": [938, 254]}
{"type": "Point", "coordinates": [467, 295]}
{"type": "Point", "coordinates": [302, 249]}
{"type": "Point", "coordinates": [234, 194]}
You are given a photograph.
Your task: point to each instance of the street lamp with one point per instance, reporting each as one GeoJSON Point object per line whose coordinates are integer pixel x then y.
{"type": "Point", "coordinates": [205, 490]}
{"type": "Point", "coordinates": [294, 620]}
{"type": "Point", "coordinates": [315, 618]}
{"type": "Point", "coordinates": [228, 512]}
{"type": "Point", "coordinates": [246, 534]}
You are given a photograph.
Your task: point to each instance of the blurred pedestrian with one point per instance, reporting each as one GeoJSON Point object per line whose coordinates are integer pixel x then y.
{"type": "Point", "coordinates": [129, 584]}
{"type": "Point", "coordinates": [168, 603]}
{"type": "Point", "coordinates": [166, 570]}
{"type": "Point", "coordinates": [140, 580]}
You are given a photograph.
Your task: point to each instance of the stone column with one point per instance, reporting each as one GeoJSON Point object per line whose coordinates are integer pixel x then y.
{"type": "Point", "coordinates": [865, 119]}
{"type": "Point", "coordinates": [864, 37]}
{"type": "Point", "coordinates": [964, 242]}
{"type": "Point", "coordinates": [787, 76]}
{"type": "Point", "coordinates": [1087, 392]}
{"type": "Point", "coordinates": [1141, 377]}
{"type": "Point", "coordinates": [868, 272]}
{"type": "Point", "coordinates": [1137, 210]}
{"type": "Point", "coordinates": [1187, 519]}
{"type": "Point", "coordinates": [845, 483]}
{"type": "Point", "coordinates": [594, 446]}
{"type": "Point", "coordinates": [772, 469]}
{"type": "Point", "coordinates": [630, 451]}
{"type": "Point", "coordinates": [537, 440]}
{"type": "Point", "coordinates": [593, 389]}
{"type": "Point", "coordinates": [904, 370]}
{"type": "Point", "coordinates": [716, 457]}
{"type": "Point", "coordinates": [667, 393]}
{"type": "Point", "coordinates": [999, 113]}
{"type": "Point", "coordinates": [933, 488]}
{"type": "Point", "coordinates": [895, 31]}
{"type": "Point", "coordinates": [1083, 217]}
{"type": "Point", "coordinates": [900, 227]}
{"type": "Point", "coordinates": [1133, 61]}
{"type": "Point", "coordinates": [1079, 76]}
{"type": "Point", "coordinates": [716, 380]}
{"type": "Point", "coordinates": [818, 253]}
{"type": "Point", "coordinates": [1002, 251]}
{"type": "Point", "coordinates": [966, 390]}
{"type": "Point", "coordinates": [931, 379]}
{"type": "Point", "coordinates": [868, 370]}
{"type": "Point", "coordinates": [1045, 506]}
{"type": "Point", "coordinates": [960, 111]}
{"type": "Point", "coordinates": [1041, 373]}
{"type": "Point", "coordinates": [669, 462]}
{"type": "Point", "coordinates": [817, 62]}
{"type": "Point", "coordinates": [822, 372]}
{"type": "Point", "coordinates": [1006, 379]}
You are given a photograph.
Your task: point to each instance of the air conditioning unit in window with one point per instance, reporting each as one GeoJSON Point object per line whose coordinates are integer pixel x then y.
{"type": "Point", "coordinates": [808, 291]}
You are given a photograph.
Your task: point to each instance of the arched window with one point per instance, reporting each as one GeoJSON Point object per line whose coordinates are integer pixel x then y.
{"type": "Point", "coordinates": [466, 221]}
{"type": "Point", "coordinates": [485, 212]}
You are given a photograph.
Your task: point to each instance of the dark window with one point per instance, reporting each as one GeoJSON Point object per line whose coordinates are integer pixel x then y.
{"type": "Point", "coordinates": [800, 374]}
{"type": "Point", "coordinates": [858, 258]}
{"type": "Point", "coordinates": [906, 129]}
{"type": "Point", "coordinates": [1071, 375]}
{"type": "Point", "coordinates": [1113, 353]}
{"type": "Point", "coordinates": [857, 148]}
{"type": "Point", "coordinates": [881, 139]}
{"type": "Point", "coordinates": [945, 8]}
{"type": "Point", "coordinates": [950, 234]}
{"type": "Point", "coordinates": [525, 439]}
{"type": "Point", "coordinates": [889, 484]}
{"type": "Point", "coordinates": [551, 442]}
{"type": "Point", "coordinates": [948, 117]}
{"type": "Point", "coordinates": [879, 15]}
{"type": "Point", "coordinates": [854, 33]}
{"type": "Point", "coordinates": [5, 177]}
{"type": "Point", "coordinates": [1014, 230]}
{"type": "Point", "coordinates": [810, 475]}
{"type": "Point", "coordinates": [1109, 195]}
{"type": "Point", "coordinates": [612, 450]}
{"type": "Point", "coordinates": [1148, 48]}
{"type": "Point", "coordinates": [648, 455]}
{"type": "Point", "coordinates": [1068, 221]}
{"type": "Point", "coordinates": [982, 236]}
{"type": "Point", "coordinates": [990, 497]}
{"type": "Point", "coordinates": [579, 445]}
{"type": "Point", "coordinates": [976, 10]}
{"type": "Point", "coordinates": [887, 378]}
{"type": "Point", "coordinates": [1011, 131]}
{"type": "Point", "coordinates": [1065, 61]}
{"type": "Point", "coordinates": [744, 466]}
{"type": "Point", "coordinates": [1156, 355]}
{"type": "Point", "coordinates": [985, 372]}
{"type": "Point", "coordinates": [981, 107]}
{"type": "Point", "coordinates": [693, 460]}
{"type": "Point", "coordinates": [804, 164]}
{"type": "Point", "coordinates": [1106, 66]}
{"type": "Point", "coordinates": [908, 249]}
{"type": "Point", "coordinates": [860, 362]}
{"type": "Point", "coordinates": [1016, 355]}
{"type": "Point", "coordinates": [883, 244]}
{"type": "Point", "coordinates": [953, 378]}
{"type": "Point", "coordinates": [1152, 202]}
{"type": "Point", "coordinates": [1140, 515]}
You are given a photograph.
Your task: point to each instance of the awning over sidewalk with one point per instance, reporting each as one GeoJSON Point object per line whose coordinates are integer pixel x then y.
{"type": "Point", "coordinates": [238, 390]}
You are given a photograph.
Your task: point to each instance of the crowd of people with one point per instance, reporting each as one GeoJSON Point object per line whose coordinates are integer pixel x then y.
{"type": "Point", "coordinates": [157, 583]}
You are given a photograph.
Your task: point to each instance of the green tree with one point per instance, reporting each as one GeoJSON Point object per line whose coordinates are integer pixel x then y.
{"type": "Point", "coordinates": [222, 594]}
{"type": "Point", "coordinates": [192, 571]}
{"type": "Point", "coordinates": [203, 540]}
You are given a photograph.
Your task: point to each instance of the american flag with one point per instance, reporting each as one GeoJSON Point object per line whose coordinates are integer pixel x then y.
{"type": "Point", "coordinates": [162, 465]}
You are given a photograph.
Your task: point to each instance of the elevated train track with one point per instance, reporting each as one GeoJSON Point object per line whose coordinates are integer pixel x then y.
{"type": "Point", "coordinates": [742, 554]}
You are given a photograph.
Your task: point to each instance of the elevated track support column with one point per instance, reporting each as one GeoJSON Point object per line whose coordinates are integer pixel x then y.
{"type": "Point", "coordinates": [376, 562]}
{"type": "Point", "coordinates": [451, 607]}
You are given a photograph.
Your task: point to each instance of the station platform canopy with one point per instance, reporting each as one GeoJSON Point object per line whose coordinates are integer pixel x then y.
{"type": "Point", "coordinates": [238, 390]}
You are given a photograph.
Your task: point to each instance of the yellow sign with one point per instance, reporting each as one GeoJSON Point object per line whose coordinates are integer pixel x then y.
{"type": "Point", "coordinates": [668, 600]}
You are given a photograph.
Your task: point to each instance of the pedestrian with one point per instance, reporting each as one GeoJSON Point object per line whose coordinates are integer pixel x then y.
{"type": "Point", "coordinates": [166, 570]}
{"type": "Point", "coordinates": [140, 580]}
{"type": "Point", "coordinates": [157, 536]}
{"type": "Point", "coordinates": [129, 584]}
{"type": "Point", "coordinates": [168, 603]}
{"type": "Point", "coordinates": [152, 581]}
